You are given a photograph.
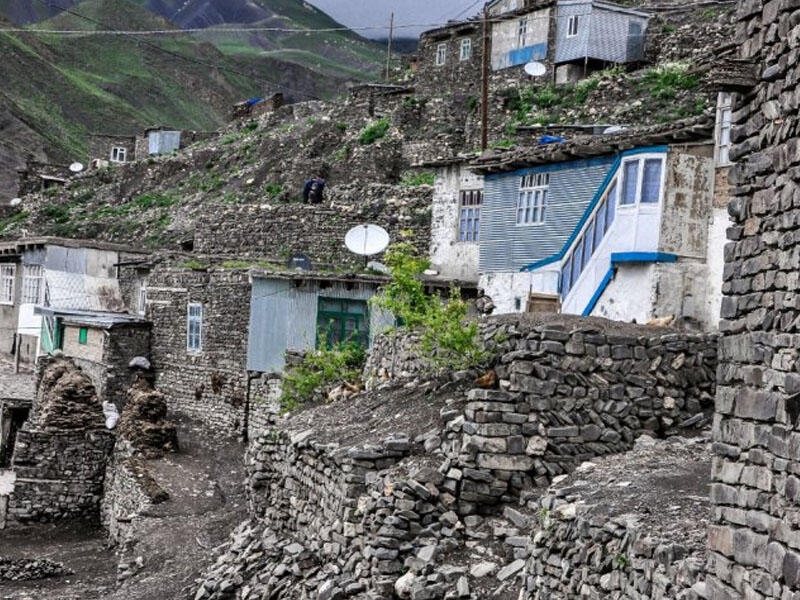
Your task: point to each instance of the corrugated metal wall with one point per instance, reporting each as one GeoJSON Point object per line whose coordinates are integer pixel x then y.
{"type": "Point", "coordinates": [283, 317]}
{"type": "Point", "coordinates": [506, 246]}
{"type": "Point", "coordinates": [603, 34]}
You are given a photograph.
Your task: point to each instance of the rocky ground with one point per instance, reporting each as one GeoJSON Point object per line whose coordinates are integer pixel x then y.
{"type": "Point", "coordinates": [173, 540]}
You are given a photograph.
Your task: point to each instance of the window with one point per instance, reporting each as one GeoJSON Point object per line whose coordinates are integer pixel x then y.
{"type": "Point", "coordinates": [611, 204]}
{"type": "Point", "coordinates": [651, 182]}
{"type": "Point", "coordinates": [572, 26]}
{"type": "Point", "coordinates": [343, 320]}
{"type": "Point", "coordinates": [522, 32]}
{"type": "Point", "coordinates": [32, 286]}
{"type": "Point", "coordinates": [566, 276]}
{"type": "Point", "coordinates": [7, 273]}
{"type": "Point", "coordinates": [83, 335]}
{"type": "Point", "coordinates": [724, 119]}
{"type": "Point", "coordinates": [600, 224]}
{"type": "Point", "coordinates": [441, 54]}
{"type": "Point", "coordinates": [630, 182]}
{"type": "Point", "coordinates": [469, 216]}
{"type": "Point", "coordinates": [532, 200]}
{"type": "Point", "coordinates": [641, 181]}
{"type": "Point", "coordinates": [118, 154]}
{"type": "Point", "coordinates": [466, 49]}
{"type": "Point", "coordinates": [141, 306]}
{"type": "Point", "coordinates": [194, 327]}
{"type": "Point", "coordinates": [588, 243]}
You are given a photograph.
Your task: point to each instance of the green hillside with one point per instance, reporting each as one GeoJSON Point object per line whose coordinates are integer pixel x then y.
{"type": "Point", "coordinates": [65, 87]}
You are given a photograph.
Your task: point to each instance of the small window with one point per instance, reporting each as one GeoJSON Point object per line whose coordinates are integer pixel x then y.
{"type": "Point", "coordinates": [522, 32]}
{"type": "Point", "coordinates": [342, 320]}
{"type": "Point", "coordinates": [517, 303]}
{"type": "Point", "coordinates": [600, 224]}
{"type": "Point", "coordinates": [466, 49]}
{"type": "Point", "coordinates": [118, 154]}
{"type": "Point", "coordinates": [32, 284]}
{"type": "Point", "coordinates": [7, 274]}
{"type": "Point", "coordinates": [611, 204]}
{"type": "Point", "coordinates": [441, 54]}
{"type": "Point", "coordinates": [724, 121]}
{"type": "Point", "coordinates": [651, 181]}
{"type": "Point", "coordinates": [572, 26]}
{"type": "Point", "coordinates": [630, 182]}
{"type": "Point", "coordinates": [194, 327]}
{"type": "Point", "coordinates": [566, 276]}
{"type": "Point", "coordinates": [141, 307]}
{"type": "Point", "coordinates": [532, 199]}
{"type": "Point", "coordinates": [469, 214]}
{"type": "Point", "coordinates": [588, 243]}
{"type": "Point", "coordinates": [83, 336]}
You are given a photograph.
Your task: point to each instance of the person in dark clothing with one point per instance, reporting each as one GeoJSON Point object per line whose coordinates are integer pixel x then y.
{"type": "Point", "coordinates": [312, 190]}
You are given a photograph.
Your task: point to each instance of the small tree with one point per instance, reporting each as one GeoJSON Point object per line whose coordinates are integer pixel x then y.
{"type": "Point", "coordinates": [448, 338]}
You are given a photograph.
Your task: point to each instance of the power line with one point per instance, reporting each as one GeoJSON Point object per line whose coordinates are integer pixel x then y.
{"type": "Point", "coordinates": [112, 31]}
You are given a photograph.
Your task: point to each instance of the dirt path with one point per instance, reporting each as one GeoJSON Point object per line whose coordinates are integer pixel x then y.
{"type": "Point", "coordinates": [174, 540]}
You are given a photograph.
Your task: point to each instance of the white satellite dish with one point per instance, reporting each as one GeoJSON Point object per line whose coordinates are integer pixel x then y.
{"type": "Point", "coordinates": [534, 69]}
{"type": "Point", "coordinates": [614, 129]}
{"type": "Point", "coordinates": [15, 201]}
{"type": "Point", "coordinates": [366, 240]}
{"type": "Point", "coordinates": [76, 167]}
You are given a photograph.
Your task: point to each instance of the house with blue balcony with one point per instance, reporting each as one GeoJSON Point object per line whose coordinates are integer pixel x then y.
{"type": "Point", "coordinates": [624, 226]}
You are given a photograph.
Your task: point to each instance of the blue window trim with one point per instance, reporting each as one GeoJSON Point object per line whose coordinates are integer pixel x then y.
{"type": "Point", "coordinates": [625, 257]}
{"type": "Point", "coordinates": [592, 205]}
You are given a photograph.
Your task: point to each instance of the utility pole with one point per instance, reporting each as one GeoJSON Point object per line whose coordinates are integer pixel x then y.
{"type": "Point", "coordinates": [389, 47]}
{"type": "Point", "coordinates": [485, 83]}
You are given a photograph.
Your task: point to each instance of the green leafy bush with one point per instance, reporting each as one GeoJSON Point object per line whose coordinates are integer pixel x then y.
{"type": "Point", "coordinates": [417, 179]}
{"type": "Point", "coordinates": [326, 367]}
{"type": "Point", "coordinates": [374, 131]}
{"type": "Point", "coordinates": [664, 82]}
{"type": "Point", "coordinates": [448, 338]}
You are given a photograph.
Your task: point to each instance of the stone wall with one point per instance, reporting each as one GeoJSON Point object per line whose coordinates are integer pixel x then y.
{"type": "Point", "coordinates": [59, 475]}
{"type": "Point", "coordinates": [754, 542]}
{"type": "Point", "coordinates": [455, 75]}
{"type": "Point", "coordinates": [279, 230]}
{"type": "Point", "coordinates": [625, 527]}
{"type": "Point", "coordinates": [208, 385]}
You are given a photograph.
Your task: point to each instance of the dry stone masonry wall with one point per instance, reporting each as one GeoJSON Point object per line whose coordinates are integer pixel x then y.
{"type": "Point", "coordinates": [754, 543]}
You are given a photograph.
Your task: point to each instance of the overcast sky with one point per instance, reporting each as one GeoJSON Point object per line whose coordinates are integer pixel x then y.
{"type": "Point", "coordinates": [422, 14]}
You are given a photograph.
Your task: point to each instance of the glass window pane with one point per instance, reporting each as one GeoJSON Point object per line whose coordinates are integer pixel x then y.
{"type": "Point", "coordinates": [600, 224]}
{"type": "Point", "coordinates": [611, 205]}
{"type": "Point", "coordinates": [651, 182]}
{"type": "Point", "coordinates": [588, 243]}
{"type": "Point", "coordinates": [630, 182]}
{"type": "Point", "coordinates": [577, 262]}
{"type": "Point", "coordinates": [566, 277]}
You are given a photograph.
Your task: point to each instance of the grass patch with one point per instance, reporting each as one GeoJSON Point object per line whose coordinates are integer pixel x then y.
{"type": "Point", "coordinates": [664, 82]}
{"type": "Point", "coordinates": [374, 131]}
{"type": "Point", "coordinates": [14, 219]}
{"type": "Point", "coordinates": [418, 179]}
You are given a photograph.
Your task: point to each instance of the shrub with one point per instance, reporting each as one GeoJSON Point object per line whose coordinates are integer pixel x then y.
{"type": "Point", "coordinates": [374, 131]}
{"type": "Point", "coordinates": [417, 179]}
{"type": "Point", "coordinates": [325, 367]}
{"type": "Point", "coordinates": [664, 82]}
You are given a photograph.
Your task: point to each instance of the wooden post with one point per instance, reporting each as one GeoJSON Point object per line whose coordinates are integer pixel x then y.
{"type": "Point", "coordinates": [389, 47]}
{"type": "Point", "coordinates": [485, 83]}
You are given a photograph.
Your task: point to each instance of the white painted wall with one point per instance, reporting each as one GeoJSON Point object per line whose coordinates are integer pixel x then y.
{"type": "Point", "coordinates": [509, 291]}
{"type": "Point", "coordinates": [717, 238]}
{"type": "Point", "coordinates": [505, 36]}
{"type": "Point", "coordinates": [452, 258]}
{"type": "Point", "coordinates": [629, 295]}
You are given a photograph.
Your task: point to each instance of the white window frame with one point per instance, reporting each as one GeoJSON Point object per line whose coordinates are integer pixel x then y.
{"type": "Point", "coordinates": [141, 300]}
{"type": "Point", "coordinates": [32, 284]}
{"type": "Point", "coordinates": [194, 327]}
{"type": "Point", "coordinates": [572, 26]}
{"type": "Point", "coordinates": [466, 49]}
{"type": "Point", "coordinates": [640, 160]}
{"type": "Point", "coordinates": [522, 32]}
{"type": "Point", "coordinates": [722, 147]}
{"type": "Point", "coordinates": [118, 154]}
{"type": "Point", "coordinates": [531, 206]}
{"type": "Point", "coordinates": [469, 215]}
{"type": "Point", "coordinates": [441, 54]}
{"type": "Point", "coordinates": [7, 283]}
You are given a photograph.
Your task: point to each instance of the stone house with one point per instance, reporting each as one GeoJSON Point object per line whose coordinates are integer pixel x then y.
{"type": "Point", "coordinates": [569, 37]}
{"type": "Point", "coordinates": [58, 274]}
{"type": "Point", "coordinates": [102, 344]}
{"type": "Point", "coordinates": [455, 220]}
{"type": "Point", "coordinates": [112, 148]}
{"type": "Point", "coordinates": [623, 226]}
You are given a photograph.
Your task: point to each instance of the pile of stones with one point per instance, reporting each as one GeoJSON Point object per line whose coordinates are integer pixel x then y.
{"type": "Point", "coordinates": [26, 569]}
